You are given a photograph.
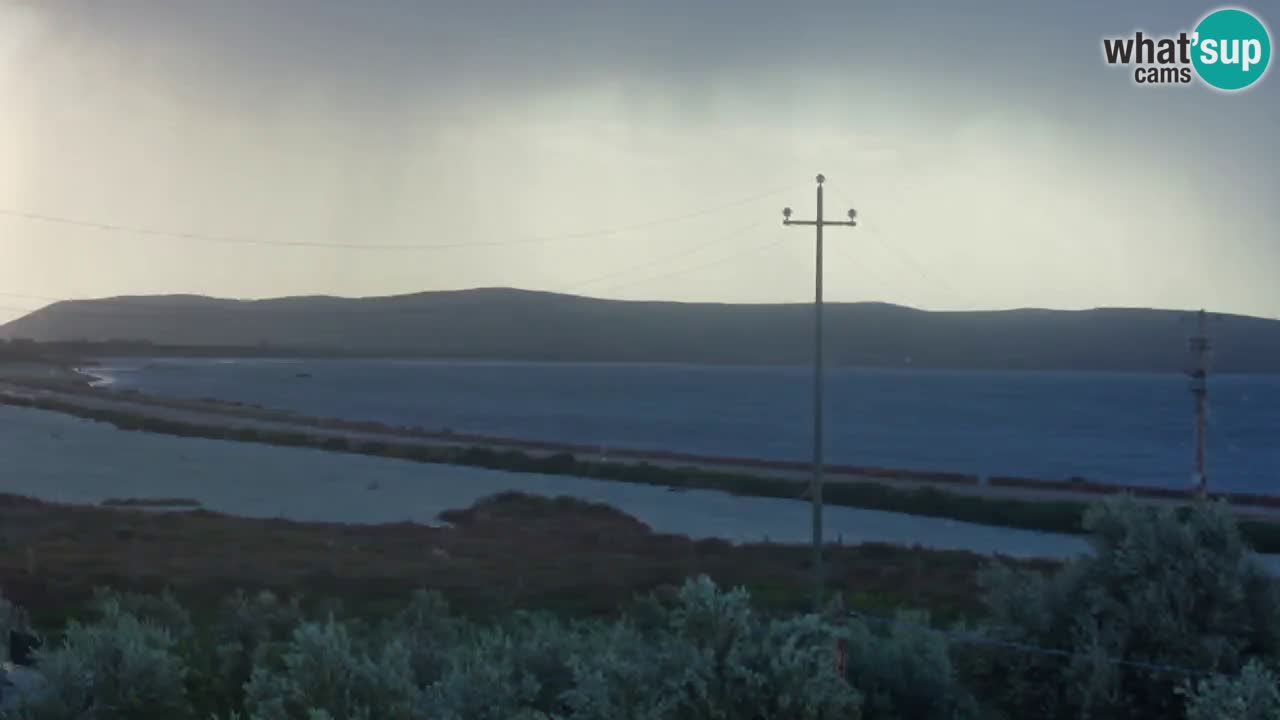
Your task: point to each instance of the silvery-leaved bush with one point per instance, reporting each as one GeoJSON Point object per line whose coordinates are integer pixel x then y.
{"type": "Point", "coordinates": [726, 662]}
{"type": "Point", "coordinates": [522, 667]}
{"type": "Point", "coordinates": [117, 668]}
{"type": "Point", "coordinates": [626, 675]}
{"type": "Point", "coordinates": [324, 669]}
{"type": "Point", "coordinates": [430, 631]}
{"type": "Point", "coordinates": [1162, 587]}
{"type": "Point", "coordinates": [905, 670]}
{"type": "Point", "coordinates": [161, 610]}
{"type": "Point", "coordinates": [1254, 694]}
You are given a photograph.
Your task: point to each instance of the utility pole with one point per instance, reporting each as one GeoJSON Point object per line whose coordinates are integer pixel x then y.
{"type": "Point", "coordinates": [1200, 390]}
{"type": "Point", "coordinates": [815, 491]}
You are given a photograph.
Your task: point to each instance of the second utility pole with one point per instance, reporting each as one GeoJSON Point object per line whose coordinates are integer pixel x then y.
{"type": "Point", "coordinates": [1200, 390]}
{"type": "Point", "coordinates": [815, 492]}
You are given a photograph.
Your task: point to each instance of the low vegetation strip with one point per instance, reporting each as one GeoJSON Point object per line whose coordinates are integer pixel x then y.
{"type": "Point", "coordinates": [1062, 516]}
{"type": "Point", "coordinates": [151, 502]}
{"type": "Point", "coordinates": [259, 413]}
{"type": "Point", "coordinates": [1080, 485]}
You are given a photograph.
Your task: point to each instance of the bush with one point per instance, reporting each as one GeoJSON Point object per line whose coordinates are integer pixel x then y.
{"type": "Point", "coordinates": [710, 656]}
{"type": "Point", "coordinates": [324, 672]}
{"type": "Point", "coordinates": [163, 611]}
{"type": "Point", "coordinates": [626, 675]}
{"type": "Point", "coordinates": [522, 669]}
{"type": "Point", "coordinates": [905, 673]}
{"type": "Point", "coordinates": [12, 618]}
{"type": "Point", "coordinates": [120, 667]}
{"type": "Point", "coordinates": [249, 630]}
{"type": "Point", "coordinates": [1253, 695]}
{"type": "Point", "coordinates": [431, 633]}
{"type": "Point", "coordinates": [1163, 587]}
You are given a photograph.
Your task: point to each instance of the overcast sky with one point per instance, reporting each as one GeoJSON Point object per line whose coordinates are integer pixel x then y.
{"type": "Point", "coordinates": [995, 161]}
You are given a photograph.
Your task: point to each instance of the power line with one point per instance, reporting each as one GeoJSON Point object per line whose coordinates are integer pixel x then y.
{"type": "Point", "coordinates": [682, 254]}
{"type": "Point", "coordinates": [445, 306]}
{"type": "Point", "coordinates": [30, 297]}
{"type": "Point", "coordinates": [905, 256]}
{"type": "Point", "coordinates": [131, 230]}
{"type": "Point", "coordinates": [714, 263]}
{"type": "Point", "coordinates": [142, 312]}
{"type": "Point", "coordinates": [972, 638]}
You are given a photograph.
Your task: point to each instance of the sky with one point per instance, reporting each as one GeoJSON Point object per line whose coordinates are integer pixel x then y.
{"type": "Point", "coordinates": [635, 150]}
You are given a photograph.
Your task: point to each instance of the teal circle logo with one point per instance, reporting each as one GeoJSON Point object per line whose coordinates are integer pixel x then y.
{"type": "Point", "coordinates": [1232, 49]}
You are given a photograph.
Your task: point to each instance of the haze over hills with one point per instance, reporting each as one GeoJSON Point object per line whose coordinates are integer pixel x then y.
{"type": "Point", "coordinates": [501, 323]}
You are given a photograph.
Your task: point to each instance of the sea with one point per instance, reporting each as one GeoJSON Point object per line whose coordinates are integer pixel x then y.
{"type": "Point", "coordinates": [1107, 427]}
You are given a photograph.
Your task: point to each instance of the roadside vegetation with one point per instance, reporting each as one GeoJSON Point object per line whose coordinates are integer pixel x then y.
{"type": "Point", "coordinates": [1170, 617]}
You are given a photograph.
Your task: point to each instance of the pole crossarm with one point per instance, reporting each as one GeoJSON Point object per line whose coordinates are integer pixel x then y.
{"type": "Point", "coordinates": [815, 493]}
{"type": "Point", "coordinates": [811, 223]}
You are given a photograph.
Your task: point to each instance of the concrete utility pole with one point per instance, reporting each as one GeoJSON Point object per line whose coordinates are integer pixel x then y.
{"type": "Point", "coordinates": [1200, 390]}
{"type": "Point", "coordinates": [816, 490]}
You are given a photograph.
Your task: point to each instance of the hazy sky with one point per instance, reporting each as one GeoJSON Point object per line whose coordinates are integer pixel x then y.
{"type": "Point", "coordinates": [994, 159]}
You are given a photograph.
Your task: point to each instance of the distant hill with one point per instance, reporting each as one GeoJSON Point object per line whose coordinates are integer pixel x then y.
{"type": "Point", "coordinates": [523, 325]}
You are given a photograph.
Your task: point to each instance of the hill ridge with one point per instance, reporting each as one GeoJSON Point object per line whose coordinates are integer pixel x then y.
{"type": "Point", "coordinates": [517, 324]}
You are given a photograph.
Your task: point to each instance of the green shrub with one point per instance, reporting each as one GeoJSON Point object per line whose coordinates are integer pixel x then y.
{"type": "Point", "coordinates": [905, 672]}
{"type": "Point", "coordinates": [431, 633]}
{"type": "Point", "coordinates": [1252, 695]}
{"type": "Point", "coordinates": [119, 667]}
{"type": "Point", "coordinates": [323, 669]}
{"type": "Point", "coordinates": [163, 610]}
{"type": "Point", "coordinates": [517, 669]}
{"type": "Point", "coordinates": [12, 617]}
{"type": "Point", "coordinates": [249, 630]}
{"type": "Point", "coordinates": [1162, 587]}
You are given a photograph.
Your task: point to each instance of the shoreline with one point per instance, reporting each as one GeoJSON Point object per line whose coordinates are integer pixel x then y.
{"type": "Point", "coordinates": [1010, 507]}
{"type": "Point", "coordinates": [81, 382]}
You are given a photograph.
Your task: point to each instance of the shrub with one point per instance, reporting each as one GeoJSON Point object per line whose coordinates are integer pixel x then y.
{"type": "Point", "coordinates": [1162, 587]}
{"type": "Point", "coordinates": [519, 670]}
{"type": "Point", "coordinates": [120, 667]}
{"type": "Point", "coordinates": [249, 630]}
{"type": "Point", "coordinates": [710, 656]}
{"type": "Point", "coordinates": [431, 633]}
{"type": "Point", "coordinates": [1253, 695]}
{"type": "Point", "coordinates": [626, 676]}
{"type": "Point", "coordinates": [324, 672]}
{"type": "Point", "coordinates": [737, 665]}
{"type": "Point", "coordinates": [163, 610]}
{"type": "Point", "coordinates": [12, 617]}
{"type": "Point", "coordinates": [905, 673]}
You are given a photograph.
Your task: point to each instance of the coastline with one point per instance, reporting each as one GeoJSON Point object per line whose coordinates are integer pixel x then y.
{"type": "Point", "coordinates": [83, 382]}
{"type": "Point", "coordinates": [946, 496]}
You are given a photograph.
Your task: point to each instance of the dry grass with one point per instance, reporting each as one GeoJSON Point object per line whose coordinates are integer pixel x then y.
{"type": "Point", "coordinates": [506, 552]}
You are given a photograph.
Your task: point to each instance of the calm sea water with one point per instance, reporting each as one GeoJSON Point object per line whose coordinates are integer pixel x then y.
{"type": "Point", "coordinates": [1107, 427]}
